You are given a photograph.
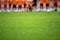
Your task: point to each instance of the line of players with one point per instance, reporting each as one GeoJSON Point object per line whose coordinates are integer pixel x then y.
{"type": "Point", "coordinates": [24, 5]}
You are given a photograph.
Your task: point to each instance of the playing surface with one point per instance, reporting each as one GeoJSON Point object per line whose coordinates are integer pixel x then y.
{"type": "Point", "coordinates": [30, 26]}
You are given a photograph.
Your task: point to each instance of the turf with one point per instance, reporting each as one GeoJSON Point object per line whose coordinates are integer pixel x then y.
{"type": "Point", "coordinates": [30, 26]}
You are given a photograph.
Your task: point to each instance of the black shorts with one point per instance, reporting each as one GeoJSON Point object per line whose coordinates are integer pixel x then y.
{"type": "Point", "coordinates": [5, 6]}
{"type": "Point", "coordinates": [25, 5]}
{"type": "Point", "coordinates": [0, 6]}
{"type": "Point", "coordinates": [47, 5]}
{"type": "Point", "coordinates": [14, 6]}
{"type": "Point", "coordinates": [35, 3]}
{"type": "Point", "coordinates": [9, 5]}
{"type": "Point", "coordinates": [41, 5]}
{"type": "Point", "coordinates": [55, 4]}
{"type": "Point", "coordinates": [19, 6]}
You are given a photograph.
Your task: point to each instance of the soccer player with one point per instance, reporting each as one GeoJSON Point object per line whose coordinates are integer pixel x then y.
{"type": "Point", "coordinates": [10, 5]}
{"type": "Point", "coordinates": [25, 5]}
{"type": "Point", "coordinates": [41, 4]}
{"type": "Point", "coordinates": [14, 3]}
{"type": "Point", "coordinates": [47, 4]}
{"type": "Point", "coordinates": [29, 5]}
{"type": "Point", "coordinates": [34, 5]}
{"type": "Point", "coordinates": [55, 5]}
{"type": "Point", "coordinates": [2, 5]}
{"type": "Point", "coordinates": [38, 5]}
{"type": "Point", "coordinates": [58, 4]}
{"type": "Point", "coordinates": [7, 5]}
{"type": "Point", "coordinates": [19, 5]}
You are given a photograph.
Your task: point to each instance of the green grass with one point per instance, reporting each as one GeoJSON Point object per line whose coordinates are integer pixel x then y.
{"type": "Point", "coordinates": [30, 26]}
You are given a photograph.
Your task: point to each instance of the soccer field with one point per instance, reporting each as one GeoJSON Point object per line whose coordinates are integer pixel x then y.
{"type": "Point", "coordinates": [30, 26]}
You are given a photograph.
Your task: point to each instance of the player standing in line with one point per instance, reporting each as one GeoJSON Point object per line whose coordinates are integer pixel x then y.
{"type": "Point", "coordinates": [38, 5]}
{"type": "Point", "coordinates": [7, 5]}
{"type": "Point", "coordinates": [19, 5]}
{"type": "Point", "coordinates": [34, 5]}
{"type": "Point", "coordinates": [29, 5]}
{"type": "Point", "coordinates": [2, 5]}
{"type": "Point", "coordinates": [10, 5]}
{"type": "Point", "coordinates": [55, 5]}
{"type": "Point", "coordinates": [58, 5]}
{"type": "Point", "coordinates": [41, 4]}
{"type": "Point", "coordinates": [47, 5]}
{"type": "Point", "coordinates": [14, 3]}
{"type": "Point", "coordinates": [24, 5]}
